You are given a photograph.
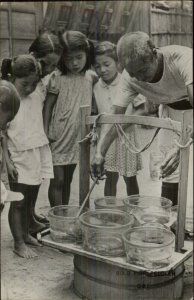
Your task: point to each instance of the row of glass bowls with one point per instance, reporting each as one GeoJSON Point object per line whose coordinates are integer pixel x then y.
{"type": "Point", "coordinates": [133, 226]}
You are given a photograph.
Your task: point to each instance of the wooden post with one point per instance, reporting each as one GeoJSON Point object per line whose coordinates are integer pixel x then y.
{"type": "Point", "coordinates": [150, 20]}
{"type": "Point", "coordinates": [84, 156]}
{"type": "Point", "coordinates": [183, 180]}
{"type": "Point", "coordinates": [10, 30]}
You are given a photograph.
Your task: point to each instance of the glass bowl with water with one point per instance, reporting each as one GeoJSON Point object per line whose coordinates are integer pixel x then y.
{"type": "Point", "coordinates": [64, 224]}
{"type": "Point", "coordinates": [109, 202]}
{"type": "Point", "coordinates": [102, 231]}
{"type": "Point", "coordinates": [149, 246]}
{"type": "Point", "coordinates": [149, 209]}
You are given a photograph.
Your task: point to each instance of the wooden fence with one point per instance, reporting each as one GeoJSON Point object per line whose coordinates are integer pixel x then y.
{"type": "Point", "coordinates": [19, 25]}
{"type": "Point", "coordinates": [171, 27]}
{"type": "Point", "coordinates": [20, 22]}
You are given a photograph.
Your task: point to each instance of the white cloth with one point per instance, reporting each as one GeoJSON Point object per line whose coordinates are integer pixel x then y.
{"type": "Point", "coordinates": [3, 192]}
{"type": "Point", "coordinates": [26, 131]}
{"type": "Point", "coordinates": [105, 94]}
{"type": "Point", "coordinates": [177, 74]}
{"type": "Point", "coordinates": [27, 141]}
{"type": "Point", "coordinates": [33, 165]}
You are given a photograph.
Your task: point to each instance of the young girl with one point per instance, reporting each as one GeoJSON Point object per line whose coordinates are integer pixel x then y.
{"type": "Point", "coordinates": [9, 105]}
{"type": "Point", "coordinates": [71, 87]}
{"type": "Point", "coordinates": [46, 49]}
{"type": "Point", "coordinates": [28, 157]}
{"type": "Point", "coordinates": [118, 159]}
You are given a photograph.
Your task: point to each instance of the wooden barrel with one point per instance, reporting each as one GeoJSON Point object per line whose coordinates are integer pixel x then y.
{"type": "Point", "coordinates": [96, 280]}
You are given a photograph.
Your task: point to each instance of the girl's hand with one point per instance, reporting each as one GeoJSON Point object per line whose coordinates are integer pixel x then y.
{"type": "Point", "coordinates": [12, 170]}
{"type": "Point", "coordinates": [171, 162]}
{"type": "Point", "coordinates": [91, 75]}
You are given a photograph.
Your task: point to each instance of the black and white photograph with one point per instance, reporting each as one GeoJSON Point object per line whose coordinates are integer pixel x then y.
{"type": "Point", "coordinates": [96, 150]}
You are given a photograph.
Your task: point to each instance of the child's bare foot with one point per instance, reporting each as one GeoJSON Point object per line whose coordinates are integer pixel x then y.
{"type": "Point", "coordinates": [36, 227]}
{"type": "Point", "coordinates": [41, 219]}
{"type": "Point", "coordinates": [24, 251]}
{"type": "Point", "coordinates": [32, 241]}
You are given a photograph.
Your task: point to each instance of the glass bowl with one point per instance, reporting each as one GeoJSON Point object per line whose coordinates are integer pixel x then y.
{"type": "Point", "coordinates": [102, 231]}
{"type": "Point", "coordinates": [64, 225]}
{"type": "Point", "coordinates": [109, 202]}
{"type": "Point", "coordinates": [148, 246]}
{"type": "Point", "coordinates": [148, 209]}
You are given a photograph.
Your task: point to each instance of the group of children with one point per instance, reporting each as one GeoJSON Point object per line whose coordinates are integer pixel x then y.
{"type": "Point", "coordinates": [59, 75]}
{"type": "Point", "coordinates": [53, 81]}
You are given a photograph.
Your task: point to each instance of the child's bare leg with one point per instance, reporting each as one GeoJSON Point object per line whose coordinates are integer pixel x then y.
{"type": "Point", "coordinates": [34, 225]}
{"type": "Point", "coordinates": [131, 185]}
{"type": "Point", "coordinates": [15, 222]}
{"type": "Point", "coordinates": [36, 218]}
{"type": "Point", "coordinates": [56, 186]}
{"type": "Point", "coordinates": [31, 194]}
{"type": "Point", "coordinates": [16, 217]}
{"type": "Point", "coordinates": [110, 188]}
{"type": "Point", "coordinates": [22, 250]}
{"type": "Point", "coordinates": [30, 240]}
{"type": "Point", "coordinates": [68, 176]}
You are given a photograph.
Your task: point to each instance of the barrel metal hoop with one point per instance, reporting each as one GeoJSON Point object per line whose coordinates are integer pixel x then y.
{"type": "Point", "coordinates": [130, 287]}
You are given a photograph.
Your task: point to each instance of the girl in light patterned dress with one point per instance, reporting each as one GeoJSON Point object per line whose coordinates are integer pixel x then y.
{"type": "Point", "coordinates": [119, 160]}
{"type": "Point", "coordinates": [70, 88]}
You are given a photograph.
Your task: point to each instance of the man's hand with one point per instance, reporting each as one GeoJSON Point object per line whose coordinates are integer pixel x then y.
{"type": "Point", "coordinates": [171, 163]}
{"type": "Point", "coordinates": [12, 170]}
{"type": "Point", "coordinates": [97, 167]}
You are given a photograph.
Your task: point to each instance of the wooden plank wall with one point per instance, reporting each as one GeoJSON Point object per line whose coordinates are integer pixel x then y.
{"type": "Point", "coordinates": [19, 25]}
{"type": "Point", "coordinates": [99, 20]}
{"type": "Point", "coordinates": [172, 27]}
{"type": "Point", "coordinates": [20, 22]}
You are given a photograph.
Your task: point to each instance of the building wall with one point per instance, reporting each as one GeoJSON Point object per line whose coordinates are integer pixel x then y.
{"type": "Point", "coordinates": [20, 23]}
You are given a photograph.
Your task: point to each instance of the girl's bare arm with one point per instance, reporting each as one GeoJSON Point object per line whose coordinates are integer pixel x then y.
{"type": "Point", "coordinates": [47, 110]}
{"type": "Point", "coordinates": [9, 163]}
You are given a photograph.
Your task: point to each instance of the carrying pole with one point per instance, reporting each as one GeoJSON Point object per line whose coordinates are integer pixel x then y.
{"type": "Point", "coordinates": [183, 181]}
{"type": "Point", "coordinates": [84, 157]}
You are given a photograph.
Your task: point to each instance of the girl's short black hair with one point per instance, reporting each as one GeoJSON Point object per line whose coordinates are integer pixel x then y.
{"type": "Point", "coordinates": [44, 44]}
{"type": "Point", "coordinates": [106, 48]}
{"type": "Point", "coordinates": [9, 97]}
{"type": "Point", "coordinates": [19, 67]}
{"type": "Point", "coordinates": [74, 41]}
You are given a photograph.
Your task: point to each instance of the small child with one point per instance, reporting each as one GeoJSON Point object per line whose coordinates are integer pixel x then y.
{"type": "Point", "coordinates": [71, 88]}
{"type": "Point", "coordinates": [9, 105]}
{"type": "Point", "coordinates": [118, 159]}
{"type": "Point", "coordinates": [28, 155]}
{"type": "Point", "coordinates": [47, 50]}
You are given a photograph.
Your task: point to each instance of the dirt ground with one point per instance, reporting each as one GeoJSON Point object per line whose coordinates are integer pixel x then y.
{"type": "Point", "coordinates": [49, 277]}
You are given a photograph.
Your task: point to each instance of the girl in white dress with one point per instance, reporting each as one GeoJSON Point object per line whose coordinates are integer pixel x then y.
{"type": "Point", "coordinates": [27, 152]}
